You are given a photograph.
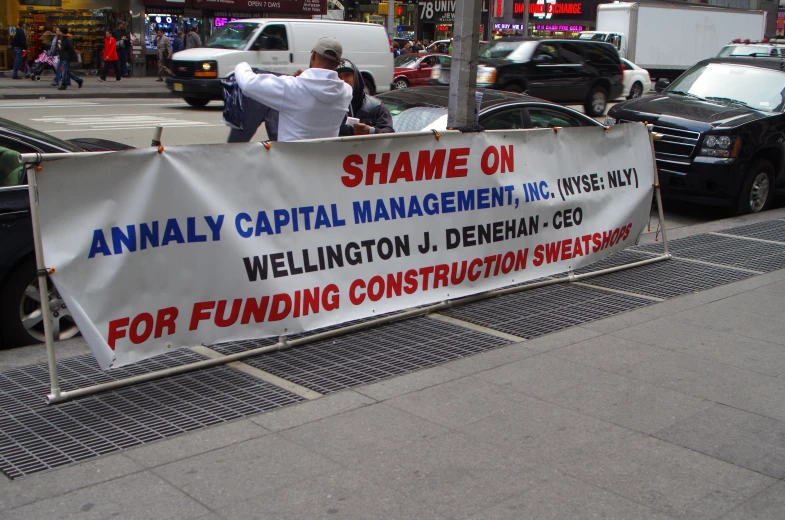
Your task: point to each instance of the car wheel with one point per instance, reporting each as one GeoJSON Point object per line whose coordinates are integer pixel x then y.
{"type": "Point", "coordinates": [401, 83]}
{"type": "Point", "coordinates": [197, 102]}
{"type": "Point", "coordinates": [596, 102]}
{"type": "Point", "coordinates": [758, 189]}
{"type": "Point", "coordinates": [514, 87]}
{"type": "Point", "coordinates": [20, 310]}
{"type": "Point", "coordinates": [636, 90]}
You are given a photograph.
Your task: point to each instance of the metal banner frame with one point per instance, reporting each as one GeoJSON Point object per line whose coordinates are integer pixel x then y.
{"type": "Point", "coordinates": [32, 162]}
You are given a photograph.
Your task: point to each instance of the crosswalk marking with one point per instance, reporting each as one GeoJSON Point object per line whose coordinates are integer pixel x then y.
{"type": "Point", "coordinates": [116, 121]}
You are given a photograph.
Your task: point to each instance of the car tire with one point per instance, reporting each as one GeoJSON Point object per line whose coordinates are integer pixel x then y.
{"type": "Point", "coordinates": [197, 102]}
{"type": "Point", "coordinates": [757, 192]}
{"type": "Point", "coordinates": [401, 83]}
{"type": "Point", "coordinates": [370, 86]}
{"type": "Point", "coordinates": [596, 102]}
{"type": "Point", "coordinates": [514, 87]}
{"type": "Point", "coordinates": [636, 90]}
{"type": "Point", "coordinates": [16, 297]}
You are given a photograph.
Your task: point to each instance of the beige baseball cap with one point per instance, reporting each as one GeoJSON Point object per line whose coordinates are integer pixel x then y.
{"type": "Point", "coordinates": [329, 47]}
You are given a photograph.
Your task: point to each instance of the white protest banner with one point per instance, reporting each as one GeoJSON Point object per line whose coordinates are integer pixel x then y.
{"type": "Point", "coordinates": [203, 244]}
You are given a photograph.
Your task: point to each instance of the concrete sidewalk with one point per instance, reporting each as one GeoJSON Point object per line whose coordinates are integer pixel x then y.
{"type": "Point", "coordinates": [146, 87]}
{"type": "Point", "coordinates": [673, 410]}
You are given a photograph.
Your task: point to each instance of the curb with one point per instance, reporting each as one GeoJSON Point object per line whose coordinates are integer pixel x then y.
{"type": "Point", "coordinates": [91, 95]}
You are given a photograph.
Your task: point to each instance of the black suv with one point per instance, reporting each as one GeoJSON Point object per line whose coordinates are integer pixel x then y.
{"type": "Point", "coordinates": [565, 71]}
{"type": "Point", "coordinates": [722, 131]}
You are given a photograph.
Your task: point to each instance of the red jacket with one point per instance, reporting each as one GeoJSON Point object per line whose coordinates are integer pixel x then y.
{"type": "Point", "coordinates": [110, 49]}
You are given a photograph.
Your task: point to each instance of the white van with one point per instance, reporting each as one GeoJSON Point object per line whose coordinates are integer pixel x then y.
{"type": "Point", "coordinates": [280, 45]}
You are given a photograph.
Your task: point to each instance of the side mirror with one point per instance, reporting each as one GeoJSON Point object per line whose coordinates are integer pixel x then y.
{"type": "Point", "coordinates": [661, 85]}
{"type": "Point", "coordinates": [543, 58]}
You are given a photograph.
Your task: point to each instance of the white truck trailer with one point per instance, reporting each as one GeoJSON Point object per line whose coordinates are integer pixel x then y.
{"type": "Point", "coordinates": [668, 38]}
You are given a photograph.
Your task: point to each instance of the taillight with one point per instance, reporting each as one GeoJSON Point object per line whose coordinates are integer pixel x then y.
{"type": "Point", "coordinates": [392, 49]}
{"type": "Point", "coordinates": [747, 40]}
{"type": "Point", "coordinates": [623, 68]}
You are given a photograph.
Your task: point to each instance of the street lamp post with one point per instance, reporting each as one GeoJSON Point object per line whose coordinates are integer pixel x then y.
{"type": "Point", "coordinates": [463, 69]}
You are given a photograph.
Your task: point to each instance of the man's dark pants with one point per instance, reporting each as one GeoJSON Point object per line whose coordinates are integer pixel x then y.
{"type": "Point", "coordinates": [253, 115]}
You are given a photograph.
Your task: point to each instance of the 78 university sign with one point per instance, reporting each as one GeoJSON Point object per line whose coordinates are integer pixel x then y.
{"type": "Point", "coordinates": [437, 11]}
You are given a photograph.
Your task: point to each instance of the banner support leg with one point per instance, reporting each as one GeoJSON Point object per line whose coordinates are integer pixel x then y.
{"type": "Point", "coordinates": [657, 193]}
{"type": "Point", "coordinates": [43, 284]}
{"type": "Point", "coordinates": [157, 136]}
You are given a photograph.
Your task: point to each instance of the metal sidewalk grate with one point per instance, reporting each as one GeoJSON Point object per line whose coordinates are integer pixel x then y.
{"type": "Point", "coordinates": [533, 313]}
{"type": "Point", "coordinates": [773, 230]}
{"type": "Point", "coordinates": [375, 354]}
{"type": "Point", "coordinates": [617, 259]}
{"type": "Point", "coordinates": [729, 251]}
{"type": "Point", "coordinates": [669, 278]}
{"type": "Point", "coordinates": [35, 437]}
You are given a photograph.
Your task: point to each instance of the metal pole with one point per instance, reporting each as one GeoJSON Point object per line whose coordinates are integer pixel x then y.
{"type": "Point", "coordinates": [526, 4]}
{"type": "Point", "coordinates": [657, 193]}
{"type": "Point", "coordinates": [463, 71]}
{"type": "Point", "coordinates": [157, 135]}
{"type": "Point", "coordinates": [391, 18]}
{"type": "Point", "coordinates": [285, 344]}
{"type": "Point", "coordinates": [43, 285]}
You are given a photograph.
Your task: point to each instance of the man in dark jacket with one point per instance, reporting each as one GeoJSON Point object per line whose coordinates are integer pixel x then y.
{"type": "Point", "coordinates": [374, 117]}
{"type": "Point", "coordinates": [67, 55]}
{"type": "Point", "coordinates": [123, 46]}
{"type": "Point", "coordinates": [192, 40]}
{"type": "Point", "coordinates": [19, 43]}
{"type": "Point", "coordinates": [177, 42]}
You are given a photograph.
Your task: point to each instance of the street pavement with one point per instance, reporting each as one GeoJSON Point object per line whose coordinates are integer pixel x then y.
{"type": "Point", "coordinates": [675, 410]}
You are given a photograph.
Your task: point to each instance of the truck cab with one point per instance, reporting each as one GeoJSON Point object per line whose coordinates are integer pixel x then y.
{"type": "Point", "coordinates": [617, 39]}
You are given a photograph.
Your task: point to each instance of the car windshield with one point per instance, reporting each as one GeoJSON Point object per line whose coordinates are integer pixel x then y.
{"type": "Point", "coordinates": [234, 35]}
{"type": "Point", "coordinates": [41, 136]}
{"type": "Point", "coordinates": [755, 87]}
{"type": "Point", "coordinates": [746, 50]}
{"type": "Point", "coordinates": [407, 61]}
{"type": "Point", "coordinates": [600, 37]}
{"type": "Point", "coordinates": [511, 50]}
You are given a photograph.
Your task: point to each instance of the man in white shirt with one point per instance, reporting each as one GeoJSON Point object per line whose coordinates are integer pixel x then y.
{"type": "Point", "coordinates": [311, 105]}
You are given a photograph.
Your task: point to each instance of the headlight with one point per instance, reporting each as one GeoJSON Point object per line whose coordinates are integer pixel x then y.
{"type": "Point", "coordinates": [209, 69]}
{"type": "Point", "coordinates": [207, 66]}
{"type": "Point", "coordinates": [720, 146]}
{"type": "Point", "coordinates": [486, 75]}
{"type": "Point", "coordinates": [610, 121]}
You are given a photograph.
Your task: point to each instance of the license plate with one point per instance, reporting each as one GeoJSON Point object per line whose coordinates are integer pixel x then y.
{"type": "Point", "coordinates": [178, 87]}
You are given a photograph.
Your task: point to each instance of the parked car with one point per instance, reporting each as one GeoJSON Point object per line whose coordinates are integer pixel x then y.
{"type": "Point", "coordinates": [636, 80]}
{"type": "Point", "coordinates": [414, 70]}
{"type": "Point", "coordinates": [722, 131]}
{"type": "Point", "coordinates": [278, 45]}
{"type": "Point", "coordinates": [20, 302]}
{"type": "Point", "coordinates": [425, 108]}
{"type": "Point", "coordinates": [566, 71]}
{"type": "Point", "coordinates": [739, 47]}
{"type": "Point", "coordinates": [434, 47]}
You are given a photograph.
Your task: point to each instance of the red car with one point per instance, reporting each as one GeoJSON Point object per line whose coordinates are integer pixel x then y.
{"type": "Point", "coordinates": [414, 70]}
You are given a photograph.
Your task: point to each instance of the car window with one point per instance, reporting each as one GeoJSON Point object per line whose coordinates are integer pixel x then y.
{"type": "Point", "coordinates": [570, 53]}
{"type": "Point", "coordinates": [405, 61]}
{"type": "Point", "coordinates": [428, 61]}
{"type": "Point", "coordinates": [445, 60]}
{"type": "Point", "coordinates": [15, 128]}
{"type": "Point", "coordinates": [546, 53]}
{"type": "Point", "coordinates": [507, 120]}
{"type": "Point", "coordinates": [548, 118]}
{"type": "Point", "coordinates": [598, 54]}
{"type": "Point", "coordinates": [414, 119]}
{"type": "Point", "coordinates": [628, 64]}
{"type": "Point", "coordinates": [17, 145]}
{"type": "Point", "coordinates": [273, 38]}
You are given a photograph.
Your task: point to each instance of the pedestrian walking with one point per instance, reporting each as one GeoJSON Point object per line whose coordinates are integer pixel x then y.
{"type": "Point", "coordinates": [396, 49]}
{"type": "Point", "coordinates": [68, 53]}
{"type": "Point", "coordinates": [123, 45]}
{"type": "Point", "coordinates": [419, 47]}
{"type": "Point", "coordinates": [164, 53]}
{"type": "Point", "coordinates": [110, 57]}
{"type": "Point", "coordinates": [374, 117]}
{"type": "Point", "coordinates": [407, 48]}
{"type": "Point", "coordinates": [54, 53]}
{"type": "Point", "coordinates": [19, 44]}
{"type": "Point", "coordinates": [192, 40]}
{"type": "Point", "coordinates": [312, 103]}
{"type": "Point", "coordinates": [177, 42]}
